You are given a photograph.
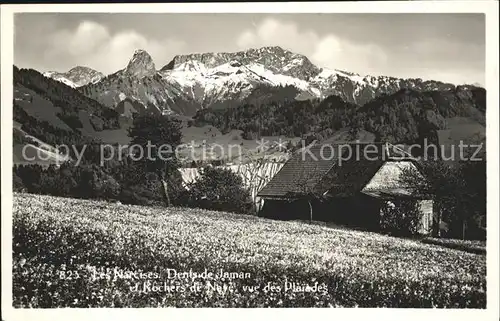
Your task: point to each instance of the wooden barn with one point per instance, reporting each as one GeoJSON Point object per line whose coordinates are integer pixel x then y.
{"type": "Point", "coordinates": [349, 184]}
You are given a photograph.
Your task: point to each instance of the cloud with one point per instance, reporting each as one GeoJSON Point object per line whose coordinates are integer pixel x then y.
{"type": "Point", "coordinates": [465, 76]}
{"type": "Point", "coordinates": [272, 32]}
{"type": "Point", "coordinates": [329, 50]}
{"type": "Point", "coordinates": [452, 53]}
{"type": "Point", "coordinates": [441, 59]}
{"type": "Point", "coordinates": [91, 44]}
{"type": "Point", "coordinates": [432, 58]}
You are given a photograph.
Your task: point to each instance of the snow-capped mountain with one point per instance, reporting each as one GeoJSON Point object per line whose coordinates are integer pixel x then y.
{"type": "Point", "coordinates": [361, 89]}
{"type": "Point", "coordinates": [77, 76]}
{"type": "Point", "coordinates": [276, 59]}
{"type": "Point", "coordinates": [141, 65]}
{"type": "Point", "coordinates": [195, 81]}
{"type": "Point", "coordinates": [230, 80]}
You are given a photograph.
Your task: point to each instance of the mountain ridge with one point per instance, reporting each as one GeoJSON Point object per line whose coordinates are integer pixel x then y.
{"type": "Point", "coordinates": [49, 110]}
{"type": "Point", "coordinates": [274, 57]}
{"type": "Point", "coordinates": [196, 81]}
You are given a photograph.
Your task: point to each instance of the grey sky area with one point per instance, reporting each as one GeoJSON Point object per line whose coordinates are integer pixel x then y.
{"type": "Point", "coordinates": [447, 47]}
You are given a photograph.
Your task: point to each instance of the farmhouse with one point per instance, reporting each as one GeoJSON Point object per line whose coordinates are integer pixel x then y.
{"type": "Point", "coordinates": [348, 183]}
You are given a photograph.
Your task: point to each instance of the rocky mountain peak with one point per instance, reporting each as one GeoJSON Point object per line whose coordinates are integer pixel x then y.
{"type": "Point", "coordinates": [274, 58]}
{"type": "Point", "coordinates": [200, 80]}
{"type": "Point", "coordinates": [77, 76]}
{"type": "Point", "coordinates": [81, 69]}
{"type": "Point", "coordinates": [141, 65]}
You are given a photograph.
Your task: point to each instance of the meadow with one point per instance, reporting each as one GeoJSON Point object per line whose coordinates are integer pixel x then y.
{"type": "Point", "coordinates": [82, 253]}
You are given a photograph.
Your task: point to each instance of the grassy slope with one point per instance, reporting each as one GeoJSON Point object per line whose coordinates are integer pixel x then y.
{"type": "Point", "coordinates": [229, 145]}
{"type": "Point", "coordinates": [42, 109]}
{"type": "Point", "coordinates": [38, 107]}
{"type": "Point", "coordinates": [36, 152]}
{"type": "Point", "coordinates": [462, 129]}
{"type": "Point", "coordinates": [359, 268]}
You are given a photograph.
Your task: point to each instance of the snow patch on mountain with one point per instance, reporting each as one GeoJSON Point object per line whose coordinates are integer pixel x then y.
{"type": "Point", "coordinates": [191, 66]}
{"type": "Point", "coordinates": [61, 78]}
{"type": "Point", "coordinates": [77, 76]}
{"type": "Point", "coordinates": [327, 74]}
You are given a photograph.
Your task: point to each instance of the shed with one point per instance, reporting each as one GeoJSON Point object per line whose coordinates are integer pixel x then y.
{"type": "Point", "coordinates": [348, 183]}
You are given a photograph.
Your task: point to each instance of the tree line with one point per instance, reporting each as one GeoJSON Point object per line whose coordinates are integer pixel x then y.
{"type": "Point", "coordinates": [70, 100]}
{"type": "Point", "coordinates": [407, 116]}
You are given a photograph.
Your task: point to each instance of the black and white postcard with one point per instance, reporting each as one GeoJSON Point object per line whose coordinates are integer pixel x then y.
{"type": "Point", "coordinates": [250, 155]}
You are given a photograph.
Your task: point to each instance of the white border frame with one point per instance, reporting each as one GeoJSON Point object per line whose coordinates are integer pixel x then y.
{"type": "Point", "coordinates": [490, 8]}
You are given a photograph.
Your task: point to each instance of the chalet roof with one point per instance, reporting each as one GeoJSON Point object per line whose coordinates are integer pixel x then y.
{"type": "Point", "coordinates": [336, 169]}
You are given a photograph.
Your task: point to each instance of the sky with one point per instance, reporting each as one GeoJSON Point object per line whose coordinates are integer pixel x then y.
{"type": "Point", "coordinates": [440, 46]}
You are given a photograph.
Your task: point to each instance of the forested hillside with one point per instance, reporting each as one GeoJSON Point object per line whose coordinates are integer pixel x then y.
{"type": "Point", "coordinates": [403, 117]}
{"type": "Point", "coordinates": [69, 105]}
